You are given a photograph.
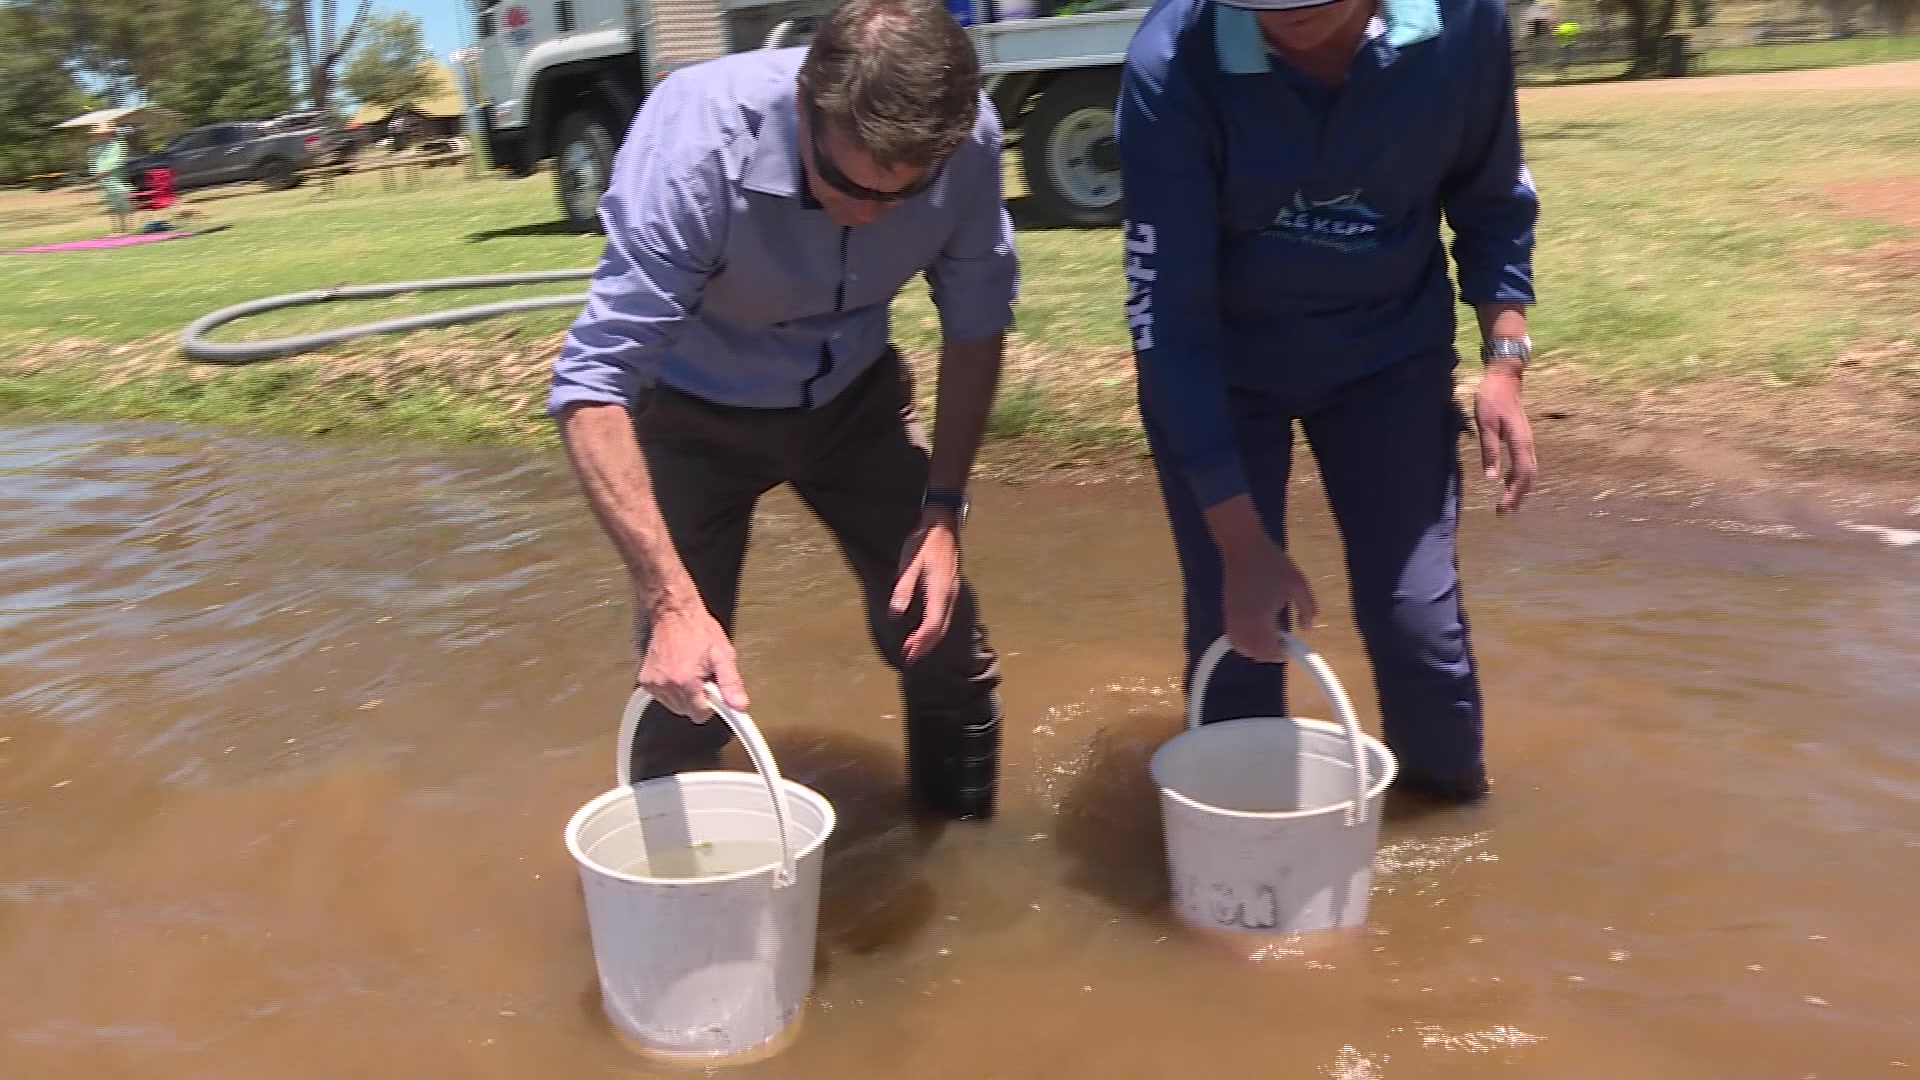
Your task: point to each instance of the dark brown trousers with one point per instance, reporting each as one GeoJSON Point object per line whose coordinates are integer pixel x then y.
{"type": "Point", "coordinates": [859, 462]}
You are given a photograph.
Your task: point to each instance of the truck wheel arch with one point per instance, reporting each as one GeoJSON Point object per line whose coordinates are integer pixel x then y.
{"type": "Point", "coordinates": [568, 88]}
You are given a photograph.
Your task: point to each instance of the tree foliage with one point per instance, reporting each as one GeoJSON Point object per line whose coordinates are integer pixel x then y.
{"type": "Point", "coordinates": [232, 59]}
{"type": "Point", "coordinates": [389, 69]}
{"type": "Point", "coordinates": [1896, 16]}
{"type": "Point", "coordinates": [37, 91]}
{"type": "Point", "coordinates": [206, 59]}
{"type": "Point", "coordinates": [102, 38]}
{"type": "Point", "coordinates": [1648, 24]}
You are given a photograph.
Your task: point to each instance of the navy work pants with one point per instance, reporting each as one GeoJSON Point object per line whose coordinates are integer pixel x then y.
{"type": "Point", "coordinates": [1387, 445]}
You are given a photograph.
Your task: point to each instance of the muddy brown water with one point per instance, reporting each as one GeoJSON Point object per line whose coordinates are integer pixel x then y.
{"type": "Point", "coordinates": [288, 735]}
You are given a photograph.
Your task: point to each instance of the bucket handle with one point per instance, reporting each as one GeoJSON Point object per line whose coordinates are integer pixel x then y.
{"type": "Point", "coordinates": [757, 750]}
{"type": "Point", "coordinates": [1329, 685]}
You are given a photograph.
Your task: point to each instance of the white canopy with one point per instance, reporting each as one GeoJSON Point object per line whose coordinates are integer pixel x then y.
{"type": "Point", "coordinates": [147, 115]}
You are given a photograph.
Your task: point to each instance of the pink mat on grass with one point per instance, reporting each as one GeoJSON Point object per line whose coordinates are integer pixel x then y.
{"type": "Point", "coordinates": [101, 242]}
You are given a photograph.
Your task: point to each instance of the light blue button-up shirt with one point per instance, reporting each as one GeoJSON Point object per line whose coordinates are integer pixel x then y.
{"type": "Point", "coordinates": [724, 279]}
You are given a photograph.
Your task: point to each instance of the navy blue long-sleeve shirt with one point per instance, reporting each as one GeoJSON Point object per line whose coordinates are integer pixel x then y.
{"type": "Point", "coordinates": [1285, 238]}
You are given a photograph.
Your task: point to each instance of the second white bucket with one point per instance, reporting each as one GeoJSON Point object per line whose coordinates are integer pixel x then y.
{"type": "Point", "coordinates": [703, 901]}
{"type": "Point", "coordinates": [1271, 823]}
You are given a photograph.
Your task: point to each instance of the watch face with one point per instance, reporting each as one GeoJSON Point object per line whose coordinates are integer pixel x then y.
{"type": "Point", "coordinates": [954, 504]}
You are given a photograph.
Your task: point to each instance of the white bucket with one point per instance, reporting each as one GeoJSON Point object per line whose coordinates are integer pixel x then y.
{"type": "Point", "coordinates": [1271, 823]}
{"type": "Point", "coordinates": [697, 969]}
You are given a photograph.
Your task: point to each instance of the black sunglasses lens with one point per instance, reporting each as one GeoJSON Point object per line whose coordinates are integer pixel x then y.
{"type": "Point", "coordinates": [830, 172]}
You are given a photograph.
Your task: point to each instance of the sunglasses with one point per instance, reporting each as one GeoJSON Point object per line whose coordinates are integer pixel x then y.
{"type": "Point", "coordinates": [824, 164]}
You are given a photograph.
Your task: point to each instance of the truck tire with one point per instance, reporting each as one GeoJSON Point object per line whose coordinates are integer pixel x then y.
{"type": "Point", "coordinates": [582, 161]}
{"type": "Point", "coordinates": [1068, 154]}
{"type": "Point", "coordinates": [278, 174]}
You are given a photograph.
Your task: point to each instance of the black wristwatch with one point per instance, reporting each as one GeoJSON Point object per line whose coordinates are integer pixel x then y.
{"type": "Point", "coordinates": [953, 501]}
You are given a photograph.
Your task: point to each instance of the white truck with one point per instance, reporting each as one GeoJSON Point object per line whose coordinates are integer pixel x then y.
{"type": "Point", "coordinates": [560, 79]}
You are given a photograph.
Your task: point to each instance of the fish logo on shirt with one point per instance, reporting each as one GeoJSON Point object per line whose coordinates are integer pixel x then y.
{"type": "Point", "coordinates": [1344, 223]}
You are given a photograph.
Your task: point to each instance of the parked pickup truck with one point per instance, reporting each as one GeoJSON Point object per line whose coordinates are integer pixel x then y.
{"type": "Point", "coordinates": [236, 152]}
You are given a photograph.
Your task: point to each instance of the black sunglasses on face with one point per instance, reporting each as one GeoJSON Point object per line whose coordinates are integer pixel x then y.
{"type": "Point", "coordinates": [824, 164]}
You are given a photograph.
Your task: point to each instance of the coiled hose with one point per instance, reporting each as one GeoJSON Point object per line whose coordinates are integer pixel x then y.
{"type": "Point", "coordinates": [194, 344]}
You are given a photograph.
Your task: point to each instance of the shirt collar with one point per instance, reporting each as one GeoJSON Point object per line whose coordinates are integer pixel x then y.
{"type": "Point", "coordinates": [1243, 51]}
{"type": "Point", "coordinates": [776, 166]}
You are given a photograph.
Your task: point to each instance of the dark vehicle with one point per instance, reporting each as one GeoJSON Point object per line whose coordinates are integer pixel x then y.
{"type": "Point", "coordinates": [236, 152]}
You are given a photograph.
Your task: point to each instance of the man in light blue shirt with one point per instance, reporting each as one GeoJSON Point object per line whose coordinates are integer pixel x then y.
{"type": "Point", "coordinates": [763, 213]}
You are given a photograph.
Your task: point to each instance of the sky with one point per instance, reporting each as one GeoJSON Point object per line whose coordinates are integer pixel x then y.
{"type": "Point", "coordinates": [443, 23]}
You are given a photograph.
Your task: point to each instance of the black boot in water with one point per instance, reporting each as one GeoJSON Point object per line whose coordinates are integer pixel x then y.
{"type": "Point", "coordinates": [953, 761]}
{"type": "Point", "coordinates": [1446, 792]}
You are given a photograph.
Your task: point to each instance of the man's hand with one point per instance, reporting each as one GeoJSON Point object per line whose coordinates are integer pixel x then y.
{"type": "Point", "coordinates": [1260, 582]}
{"type": "Point", "coordinates": [685, 648]}
{"type": "Point", "coordinates": [929, 565]}
{"type": "Point", "coordinates": [930, 562]}
{"type": "Point", "coordinates": [1502, 423]}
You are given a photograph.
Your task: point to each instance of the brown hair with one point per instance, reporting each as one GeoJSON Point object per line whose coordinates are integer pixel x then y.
{"type": "Point", "coordinates": [898, 77]}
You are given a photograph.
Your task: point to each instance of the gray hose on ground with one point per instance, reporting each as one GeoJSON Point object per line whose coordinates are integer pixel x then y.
{"type": "Point", "coordinates": [196, 347]}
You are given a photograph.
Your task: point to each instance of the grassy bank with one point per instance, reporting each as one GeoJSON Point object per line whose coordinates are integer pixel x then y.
{"type": "Point", "coordinates": [1750, 59]}
{"type": "Point", "coordinates": [1808, 55]}
{"type": "Point", "coordinates": [1682, 238]}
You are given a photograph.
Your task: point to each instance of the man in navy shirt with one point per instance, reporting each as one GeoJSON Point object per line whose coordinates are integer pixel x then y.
{"type": "Point", "coordinates": [1287, 164]}
{"type": "Point", "coordinates": [763, 212]}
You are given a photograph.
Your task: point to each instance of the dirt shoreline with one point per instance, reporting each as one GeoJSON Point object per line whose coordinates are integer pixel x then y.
{"type": "Point", "coordinates": [1843, 445]}
{"type": "Point", "coordinates": [1804, 457]}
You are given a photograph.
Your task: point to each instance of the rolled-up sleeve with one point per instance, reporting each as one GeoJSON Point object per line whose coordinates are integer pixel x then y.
{"type": "Point", "coordinates": [976, 276]}
{"type": "Point", "coordinates": [1489, 197]}
{"type": "Point", "coordinates": [665, 214]}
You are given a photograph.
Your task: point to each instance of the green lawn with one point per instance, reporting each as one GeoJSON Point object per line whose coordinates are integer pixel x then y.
{"type": "Point", "coordinates": [1797, 56]}
{"type": "Point", "coordinates": [1684, 236]}
{"type": "Point", "coordinates": [278, 243]}
{"type": "Point", "coordinates": [1753, 59]}
{"type": "Point", "coordinates": [1681, 236]}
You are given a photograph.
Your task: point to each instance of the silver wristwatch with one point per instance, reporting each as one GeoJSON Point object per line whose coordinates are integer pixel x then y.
{"type": "Point", "coordinates": [1506, 348]}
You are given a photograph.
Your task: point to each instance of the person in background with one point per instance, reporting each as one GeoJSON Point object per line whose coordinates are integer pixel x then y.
{"type": "Point", "coordinates": [1287, 164]}
{"type": "Point", "coordinates": [764, 210]}
{"type": "Point", "coordinates": [1566, 34]}
{"type": "Point", "coordinates": [107, 164]}
{"type": "Point", "coordinates": [1540, 22]}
